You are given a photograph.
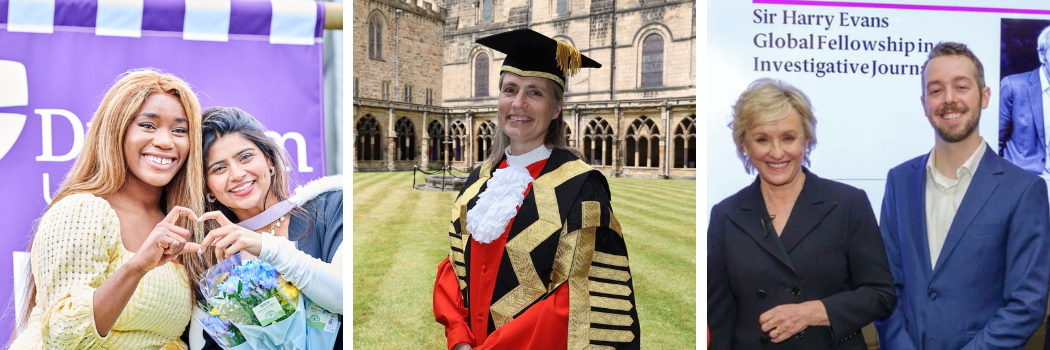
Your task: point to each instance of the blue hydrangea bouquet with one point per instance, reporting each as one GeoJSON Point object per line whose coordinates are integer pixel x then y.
{"type": "Point", "coordinates": [250, 306]}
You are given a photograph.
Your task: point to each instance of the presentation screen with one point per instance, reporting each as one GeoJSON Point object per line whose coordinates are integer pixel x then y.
{"type": "Point", "coordinates": [860, 64]}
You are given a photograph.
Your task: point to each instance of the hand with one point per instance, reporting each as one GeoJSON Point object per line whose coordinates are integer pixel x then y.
{"type": "Point", "coordinates": [165, 241]}
{"type": "Point", "coordinates": [786, 320]}
{"type": "Point", "coordinates": [461, 346]}
{"type": "Point", "coordinates": [231, 236]}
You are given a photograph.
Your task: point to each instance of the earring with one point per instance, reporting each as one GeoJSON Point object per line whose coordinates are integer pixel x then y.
{"type": "Point", "coordinates": [271, 170]}
{"type": "Point", "coordinates": [210, 198]}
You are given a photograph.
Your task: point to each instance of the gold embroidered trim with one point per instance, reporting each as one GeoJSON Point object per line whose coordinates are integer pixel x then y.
{"type": "Point", "coordinates": [563, 258]}
{"type": "Point", "coordinates": [611, 319]}
{"type": "Point", "coordinates": [532, 73]}
{"type": "Point", "coordinates": [609, 288]}
{"type": "Point", "coordinates": [610, 303]}
{"type": "Point", "coordinates": [614, 224]}
{"type": "Point", "coordinates": [610, 274]}
{"type": "Point", "coordinates": [530, 287]}
{"type": "Point", "coordinates": [579, 290]}
{"type": "Point", "coordinates": [592, 214]}
{"type": "Point", "coordinates": [600, 347]}
{"type": "Point", "coordinates": [611, 335]}
{"type": "Point", "coordinates": [610, 259]}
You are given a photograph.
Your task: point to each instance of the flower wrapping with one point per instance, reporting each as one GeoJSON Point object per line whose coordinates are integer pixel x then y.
{"type": "Point", "coordinates": [249, 303]}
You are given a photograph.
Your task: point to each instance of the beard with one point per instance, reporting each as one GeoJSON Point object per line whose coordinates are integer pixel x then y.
{"type": "Point", "coordinates": [953, 136]}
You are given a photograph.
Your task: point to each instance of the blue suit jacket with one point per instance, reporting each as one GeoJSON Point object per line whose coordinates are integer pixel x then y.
{"type": "Point", "coordinates": [989, 290]}
{"type": "Point", "coordinates": [1021, 134]}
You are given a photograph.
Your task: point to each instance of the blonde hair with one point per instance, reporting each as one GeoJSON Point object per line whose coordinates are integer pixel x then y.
{"type": "Point", "coordinates": [554, 139]}
{"type": "Point", "coordinates": [101, 169]}
{"type": "Point", "coordinates": [768, 101]}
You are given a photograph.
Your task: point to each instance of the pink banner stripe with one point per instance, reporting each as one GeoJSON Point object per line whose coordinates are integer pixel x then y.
{"type": "Point", "coordinates": [903, 6]}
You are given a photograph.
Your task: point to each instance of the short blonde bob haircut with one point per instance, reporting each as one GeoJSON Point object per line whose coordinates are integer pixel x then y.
{"type": "Point", "coordinates": [768, 101]}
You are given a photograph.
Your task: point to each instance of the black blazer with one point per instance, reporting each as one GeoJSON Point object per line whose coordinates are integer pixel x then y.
{"type": "Point", "coordinates": [830, 250]}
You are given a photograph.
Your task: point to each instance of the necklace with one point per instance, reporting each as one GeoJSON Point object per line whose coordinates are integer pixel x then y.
{"type": "Point", "coordinates": [273, 226]}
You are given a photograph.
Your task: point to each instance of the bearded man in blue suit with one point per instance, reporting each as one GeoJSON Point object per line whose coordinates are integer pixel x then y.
{"type": "Point", "coordinates": [966, 232]}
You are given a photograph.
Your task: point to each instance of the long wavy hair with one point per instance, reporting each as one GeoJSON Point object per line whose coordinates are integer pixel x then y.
{"type": "Point", "coordinates": [220, 122]}
{"type": "Point", "coordinates": [101, 169]}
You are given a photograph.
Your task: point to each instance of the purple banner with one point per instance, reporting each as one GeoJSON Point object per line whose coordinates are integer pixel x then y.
{"type": "Point", "coordinates": [263, 57]}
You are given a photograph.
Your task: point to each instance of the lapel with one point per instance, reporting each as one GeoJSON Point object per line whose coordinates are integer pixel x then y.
{"type": "Point", "coordinates": [810, 209]}
{"type": "Point", "coordinates": [981, 187]}
{"type": "Point", "coordinates": [915, 195]}
{"type": "Point", "coordinates": [752, 218]}
{"type": "Point", "coordinates": [1035, 99]}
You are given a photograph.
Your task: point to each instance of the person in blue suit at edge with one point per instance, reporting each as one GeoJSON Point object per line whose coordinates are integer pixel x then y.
{"type": "Point", "coordinates": [1024, 100]}
{"type": "Point", "coordinates": [965, 230]}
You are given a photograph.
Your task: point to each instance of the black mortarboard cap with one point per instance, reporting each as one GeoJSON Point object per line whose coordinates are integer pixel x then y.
{"type": "Point", "coordinates": [531, 54]}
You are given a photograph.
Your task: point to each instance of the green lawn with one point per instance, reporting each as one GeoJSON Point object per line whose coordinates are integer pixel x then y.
{"type": "Point", "coordinates": [400, 238]}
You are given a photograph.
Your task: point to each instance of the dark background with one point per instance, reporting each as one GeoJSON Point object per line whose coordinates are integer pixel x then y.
{"type": "Point", "coordinates": [1018, 46]}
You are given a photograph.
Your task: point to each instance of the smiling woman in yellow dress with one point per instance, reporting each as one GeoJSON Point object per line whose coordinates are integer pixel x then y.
{"type": "Point", "coordinates": [793, 260]}
{"type": "Point", "coordinates": [108, 269]}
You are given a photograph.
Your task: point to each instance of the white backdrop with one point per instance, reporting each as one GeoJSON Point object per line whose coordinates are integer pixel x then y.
{"type": "Point", "coordinates": [865, 124]}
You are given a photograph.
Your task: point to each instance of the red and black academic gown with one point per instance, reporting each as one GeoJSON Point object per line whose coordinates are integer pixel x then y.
{"type": "Point", "coordinates": [578, 253]}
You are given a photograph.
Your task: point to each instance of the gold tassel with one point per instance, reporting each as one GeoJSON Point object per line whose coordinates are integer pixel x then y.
{"type": "Point", "coordinates": [568, 57]}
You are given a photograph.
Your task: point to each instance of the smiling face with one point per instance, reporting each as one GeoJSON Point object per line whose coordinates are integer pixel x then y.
{"type": "Point", "coordinates": [156, 143]}
{"type": "Point", "coordinates": [777, 149]}
{"type": "Point", "coordinates": [526, 108]}
{"type": "Point", "coordinates": [238, 174]}
{"type": "Point", "coordinates": [952, 99]}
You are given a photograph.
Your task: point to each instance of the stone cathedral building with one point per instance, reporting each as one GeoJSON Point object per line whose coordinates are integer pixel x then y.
{"type": "Point", "coordinates": [424, 92]}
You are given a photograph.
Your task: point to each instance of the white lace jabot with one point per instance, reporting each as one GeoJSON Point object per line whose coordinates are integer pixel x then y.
{"type": "Point", "coordinates": [487, 220]}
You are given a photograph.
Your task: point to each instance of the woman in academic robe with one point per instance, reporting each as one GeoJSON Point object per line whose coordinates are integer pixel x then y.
{"type": "Point", "coordinates": [537, 259]}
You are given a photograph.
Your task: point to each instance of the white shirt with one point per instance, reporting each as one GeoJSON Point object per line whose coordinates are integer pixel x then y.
{"type": "Point", "coordinates": [943, 196]}
{"type": "Point", "coordinates": [1044, 86]}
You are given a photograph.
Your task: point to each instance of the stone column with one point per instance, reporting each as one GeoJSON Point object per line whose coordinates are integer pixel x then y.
{"type": "Point", "coordinates": [469, 147]}
{"type": "Point", "coordinates": [617, 167]}
{"type": "Point", "coordinates": [664, 152]}
{"type": "Point", "coordinates": [424, 144]}
{"type": "Point", "coordinates": [576, 137]}
{"type": "Point", "coordinates": [391, 144]}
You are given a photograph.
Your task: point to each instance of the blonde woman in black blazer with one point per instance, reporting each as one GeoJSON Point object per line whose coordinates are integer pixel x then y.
{"type": "Point", "coordinates": [794, 261]}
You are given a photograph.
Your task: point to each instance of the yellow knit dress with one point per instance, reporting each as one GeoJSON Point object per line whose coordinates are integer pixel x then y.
{"type": "Point", "coordinates": [77, 247]}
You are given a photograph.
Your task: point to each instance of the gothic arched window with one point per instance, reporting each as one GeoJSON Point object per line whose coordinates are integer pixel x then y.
{"type": "Point", "coordinates": [685, 143]}
{"type": "Point", "coordinates": [406, 139]}
{"type": "Point", "coordinates": [642, 143]}
{"type": "Point", "coordinates": [458, 132]}
{"type": "Point", "coordinates": [598, 142]}
{"type": "Point", "coordinates": [437, 134]}
{"type": "Point", "coordinates": [481, 75]}
{"type": "Point", "coordinates": [653, 61]}
{"type": "Point", "coordinates": [369, 139]}
{"type": "Point", "coordinates": [483, 141]}
{"type": "Point", "coordinates": [375, 39]}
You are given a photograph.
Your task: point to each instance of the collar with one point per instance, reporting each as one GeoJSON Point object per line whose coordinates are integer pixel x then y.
{"type": "Point", "coordinates": [538, 154]}
{"type": "Point", "coordinates": [969, 167]}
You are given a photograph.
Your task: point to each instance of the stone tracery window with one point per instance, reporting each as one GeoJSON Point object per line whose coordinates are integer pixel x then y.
{"type": "Point", "coordinates": [369, 139]}
{"type": "Point", "coordinates": [685, 143]}
{"type": "Point", "coordinates": [406, 139]}
{"type": "Point", "coordinates": [598, 142]}
{"type": "Point", "coordinates": [642, 143]}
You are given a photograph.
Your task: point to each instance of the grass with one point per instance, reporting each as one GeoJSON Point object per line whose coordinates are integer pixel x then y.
{"type": "Point", "coordinates": [400, 238]}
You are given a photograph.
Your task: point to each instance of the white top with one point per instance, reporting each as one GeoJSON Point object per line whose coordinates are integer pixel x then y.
{"type": "Point", "coordinates": [943, 197]}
